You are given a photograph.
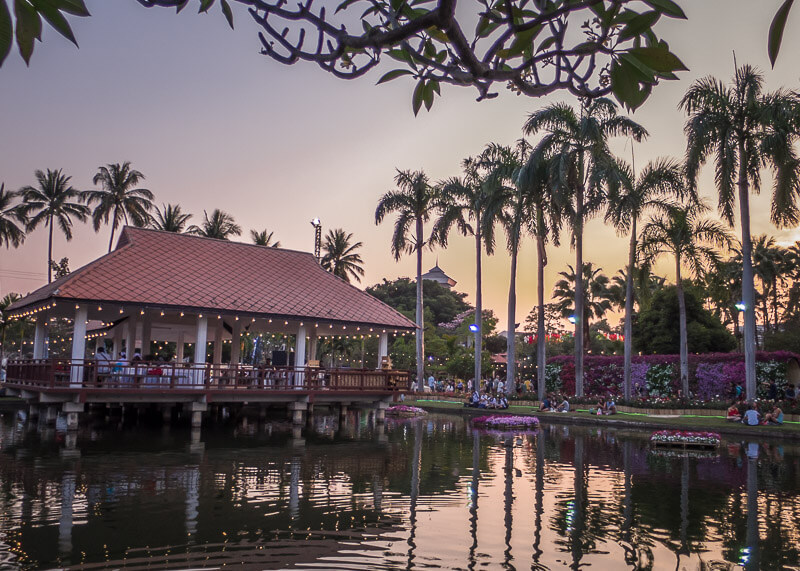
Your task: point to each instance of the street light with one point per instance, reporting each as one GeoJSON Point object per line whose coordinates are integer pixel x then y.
{"type": "Point", "coordinates": [741, 306]}
{"type": "Point", "coordinates": [317, 237]}
{"type": "Point", "coordinates": [572, 319]}
{"type": "Point", "coordinates": [473, 328]}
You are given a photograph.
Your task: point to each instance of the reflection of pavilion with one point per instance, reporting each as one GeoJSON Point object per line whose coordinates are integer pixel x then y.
{"type": "Point", "coordinates": [194, 293]}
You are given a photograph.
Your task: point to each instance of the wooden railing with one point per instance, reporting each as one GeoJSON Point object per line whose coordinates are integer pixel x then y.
{"type": "Point", "coordinates": [91, 374]}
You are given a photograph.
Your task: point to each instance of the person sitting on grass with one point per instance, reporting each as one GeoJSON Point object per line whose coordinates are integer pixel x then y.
{"type": "Point", "coordinates": [546, 405]}
{"type": "Point", "coordinates": [751, 416]}
{"type": "Point", "coordinates": [564, 406]}
{"type": "Point", "coordinates": [610, 407]}
{"type": "Point", "coordinates": [484, 402]}
{"type": "Point", "coordinates": [775, 417]}
{"type": "Point", "coordinates": [502, 402]}
{"type": "Point", "coordinates": [734, 414]}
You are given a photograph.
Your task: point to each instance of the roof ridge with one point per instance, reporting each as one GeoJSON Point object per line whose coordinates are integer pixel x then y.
{"type": "Point", "coordinates": [222, 240]}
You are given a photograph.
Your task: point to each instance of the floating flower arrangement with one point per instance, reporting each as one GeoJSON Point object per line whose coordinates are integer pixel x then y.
{"type": "Point", "coordinates": [506, 421]}
{"type": "Point", "coordinates": [680, 437]}
{"type": "Point", "coordinates": [405, 411]}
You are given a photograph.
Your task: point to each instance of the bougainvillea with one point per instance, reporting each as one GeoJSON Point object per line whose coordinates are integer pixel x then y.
{"type": "Point", "coordinates": [405, 410]}
{"type": "Point", "coordinates": [712, 381]}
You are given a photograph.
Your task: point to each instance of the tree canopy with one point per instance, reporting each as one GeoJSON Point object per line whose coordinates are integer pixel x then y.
{"type": "Point", "coordinates": [655, 332]}
{"type": "Point", "coordinates": [444, 304]}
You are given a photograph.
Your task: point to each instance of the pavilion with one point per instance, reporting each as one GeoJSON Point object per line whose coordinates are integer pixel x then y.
{"type": "Point", "coordinates": [194, 291]}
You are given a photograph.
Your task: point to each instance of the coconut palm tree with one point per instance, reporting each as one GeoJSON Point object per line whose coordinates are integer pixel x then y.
{"type": "Point", "coordinates": [219, 225]}
{"type": "Point", "coordinates": [12, 219]}
{"type": "Point", "coordinates": [340, 256]}
{"type": "Point", "coordinates": [461, 203]}
{"type": "Point", "coordinates": [596, 296]}
{"type": "Point", "coordinates": [119, 200]}
{"type": "Point", "coordinates": [5, 302]}
{"type": "Point", "coordinates": [745, 130]}
{"type": "Point", "coordinates": [264, 238]}
{"type": "Point", "coordinates": [692, 240]}
{"type": "Point", "coordinates": [631, 196]}
{"type": "Point", "coordinates": [414, 200]}
{"type": "Point", "coordinates": [544, 222]}
{"type": "Point", "coordinates": [768, 266]}
{"type": "Point", "coordinates": [170, 218]}
{"type": "Point", "coordinates": [510, 206]}
{"type": "Point", "coordinates": [53, 202]}
{"type": "Point", "coordinates": [582, 162]}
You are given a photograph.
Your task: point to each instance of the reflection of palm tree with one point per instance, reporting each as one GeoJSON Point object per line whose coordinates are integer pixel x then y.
{"type": "Point", "coordinates": [576, 539]}
{"type": "Point", "coordinates": [473, 507]}
{"type": "Point", "coordinates": [341, 257]}
{"type": "Point", "coordinates": [539, 498]}
{"type": "Point", "coordinates": [53, 202]}
{"type": "Point", "coordinates": [752, 514]}
{"type": "Point", "coordinates": [170, 218]}
{"type": "Point", "coordinates": [508, 496]}
{"type": "Point", "coordinates": [416, 463]}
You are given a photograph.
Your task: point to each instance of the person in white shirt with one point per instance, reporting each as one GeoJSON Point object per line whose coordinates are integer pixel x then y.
{"type": "Point", "coordinates": [102, 359]}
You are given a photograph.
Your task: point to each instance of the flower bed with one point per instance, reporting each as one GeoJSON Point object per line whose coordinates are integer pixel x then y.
{"type": "Point", "coordinates": [405, 410]}
{"type": "Point", "coordinates": [683, 438]}
{"type": "Point", "coordinates": [506, 421]}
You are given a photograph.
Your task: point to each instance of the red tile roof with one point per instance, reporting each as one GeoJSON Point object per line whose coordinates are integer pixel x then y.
{"type": "Point", "coordinates": [165, 269]}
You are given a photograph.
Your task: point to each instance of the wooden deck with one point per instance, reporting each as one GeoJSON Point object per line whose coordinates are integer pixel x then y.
{"type": "Point", "coordinates": [93, 381]}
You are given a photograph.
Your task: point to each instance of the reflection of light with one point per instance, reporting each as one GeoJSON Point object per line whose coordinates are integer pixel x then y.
{"type": "Point", "coordinates": [570, 516]}
{"type": "Point", "coordinates": [744, 555]}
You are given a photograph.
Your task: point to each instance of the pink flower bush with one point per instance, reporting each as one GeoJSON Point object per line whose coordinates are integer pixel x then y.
{"type": "Point", "coordinates": [405, 410]}
{"type": "Point", "coordinates": [506, 421]}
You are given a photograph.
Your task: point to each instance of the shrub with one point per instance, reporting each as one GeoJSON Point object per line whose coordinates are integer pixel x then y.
{"type": "Point", "coordinates": [712, 381]}
{"type": "Point", "coordinates": [659, 380]}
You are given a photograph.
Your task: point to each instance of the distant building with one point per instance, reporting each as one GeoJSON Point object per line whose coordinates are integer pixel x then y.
{"type": "Point", "coordinates": [436, 274]}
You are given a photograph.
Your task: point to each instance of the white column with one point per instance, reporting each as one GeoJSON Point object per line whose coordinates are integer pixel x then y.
{"type": "Point", "coordinates": [39, 347]}
{"type": "Point", "coordinates": [236, 343]}
{"type": "Point", "coordinates": [130, 338]}
{"type": "Point", "coordinates": [300, 355]}
{"type": "Point", "coordinates": [201, 340]}
{"type": "Point", "coordinates": [179, 349]}
{"type": "Point", "coordinates": [147, 326]}
{"type": "Point", "coordinates": [218, 343]}
{"type": "Point", "coordinates": [117, 342]}
{"type": "Point", "coordinates": [312, 345]}
{"type": "Point", "coordinates": [383, 348]}
{"type": "Point", "coordinates": [78, 345]}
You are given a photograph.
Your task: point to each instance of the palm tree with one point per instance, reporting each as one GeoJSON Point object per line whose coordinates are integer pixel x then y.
{"type": "Point", "coordinates": [544, 222]}
{"type": "Point", "coordinates": [461, 203]}
{"type": "Point", "coordinates": [745, 129]}
{"type": "Point", "coordinates": [768, 265]}
{"type": "Point", "coordinates": [596, 296]}
{"type": "Point", "coordinates": [509, 205]}
{"type": "Point", "coordinates": [219, 225]}
{"type": "Point", "coordinates": [119, 199]}
{"type": "Point", "coordinates": [264, 238]}
{"type": "Point", "coordinates": [5, 302]}
{"type": "Point", "coordinates": [414, 201]}
{"type": "Point", "coordinates": [170, 218]}
{"type": "Point", "coordinates": [340, 256]}
{"type": "Point", "coordinates": [630, 198]}
{"type": "Point", "coordinates": [12, 219]}
{"type": "Point", "coordinates": [581, 164]}
{"type": "Point", "coordinates": [53, 202]}
{"type": "Point", "coordinates": [692, 240]}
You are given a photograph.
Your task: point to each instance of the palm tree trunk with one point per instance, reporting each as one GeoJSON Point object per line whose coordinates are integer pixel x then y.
{"type": "Point", "coordinates": [541, 346]}
{"type": "Point", "coordinates": [579, 316]}
{"type": "Point", "coordinates": [420, 333]}
{"type": "Point", "coordinates": [50, 250]}
{"type": "Point", "coordinates": [628, 341]}
{"type": "Point", "coordinates": [748, 288]}
{"type": "Point", "coordinates": [511, 337]}
{"type": "Point", "coordinates": [478, 372]}
{"type": "Point", "coordinates": [684, 344]}
{"type": "Point", "coordinates": [113, 229]}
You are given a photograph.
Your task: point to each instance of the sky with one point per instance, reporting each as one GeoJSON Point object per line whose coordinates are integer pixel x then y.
{"type": "Point", "coordinates": [213, 124]}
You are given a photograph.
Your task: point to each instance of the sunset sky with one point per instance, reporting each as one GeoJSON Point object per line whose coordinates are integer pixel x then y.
{"type": "Point", "coordinates": [213, 124]}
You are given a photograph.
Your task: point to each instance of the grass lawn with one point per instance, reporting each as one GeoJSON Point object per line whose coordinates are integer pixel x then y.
{"type": "Point", "coordinates": [622, 419]}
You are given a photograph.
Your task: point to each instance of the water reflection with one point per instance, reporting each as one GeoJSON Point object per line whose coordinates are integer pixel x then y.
{"type": "Point", "coordinates": [418, 493]}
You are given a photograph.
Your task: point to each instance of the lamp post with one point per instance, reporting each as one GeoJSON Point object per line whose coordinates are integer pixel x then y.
{"type": "Point", "coordinates": [317, 237]}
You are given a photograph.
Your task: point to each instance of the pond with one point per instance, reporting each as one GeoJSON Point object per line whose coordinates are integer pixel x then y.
{"type": "Point", "coordinates": [417, 493]}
